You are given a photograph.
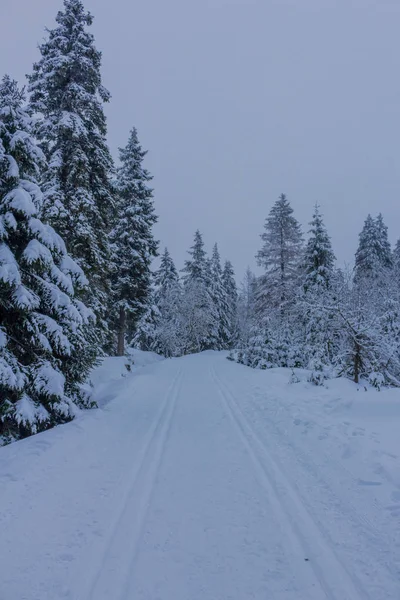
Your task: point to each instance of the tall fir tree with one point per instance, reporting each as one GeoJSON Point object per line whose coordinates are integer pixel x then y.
{"type": "Point", "coordinates": [68, 97]}
{"type": "Point", "coordinates": [220, 301]}
{"type": "Point", "coordinates": [168, 296]}
{"type": "Point", "coordinates": [42, 324]}
{"type": "Point", "coordinates": [384, 250]}
{"type": "Point", "coordinates": [319, 258]}
{"type": "Point", "coordinates": [166, 278]}
{"type": "Point", "coordinates": [279, 256]}
{"type": "Point", "coordinates": [231, 294]}
{"type": "Point", "coordinates": [373, 258]}
{"type": "Point", "coordinates": [246, 306]}
{"type": "Point", "coordinates": [195, 267]}
{"type": "Point", "coordinates": [199, 319]}
{"type": "Point", "coordinates": [396, 260]}
{"type": "Point", "coordinates": [133, 243]}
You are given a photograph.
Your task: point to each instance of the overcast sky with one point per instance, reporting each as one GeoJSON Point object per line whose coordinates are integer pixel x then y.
{"type": "Point", "coordinates": [240, 100]}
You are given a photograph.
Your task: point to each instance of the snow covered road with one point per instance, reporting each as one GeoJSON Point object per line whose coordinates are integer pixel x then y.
{"type": "Point", "coordinates": [202, 480]}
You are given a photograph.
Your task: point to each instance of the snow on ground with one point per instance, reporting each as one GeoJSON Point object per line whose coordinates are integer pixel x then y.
{"type": "Point", "coordinates": [200, 479]}
{"type": "Point", "coordinates": [106, 378]}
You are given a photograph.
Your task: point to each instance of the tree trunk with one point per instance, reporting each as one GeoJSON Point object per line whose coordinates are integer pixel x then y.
{"type": "Point", "coordinates": [121, 332]}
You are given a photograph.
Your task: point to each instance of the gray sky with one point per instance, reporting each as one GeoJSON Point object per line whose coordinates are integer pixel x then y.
{"type": "Point", "coordinates": [240, 100]}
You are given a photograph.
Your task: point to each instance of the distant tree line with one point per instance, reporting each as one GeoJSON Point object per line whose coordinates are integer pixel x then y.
{"type": "Point", "coordinates": [303, 311]}
{"type": "Point", "coordinates": [192, 313]}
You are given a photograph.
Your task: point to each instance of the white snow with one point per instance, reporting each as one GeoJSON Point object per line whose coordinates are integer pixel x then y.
{"type": "Point", "coordinates": [48, 381]}
{"type": "Point", "coordinates": [35, 251]}
{"type": "Point", "coordinates": [200, 479]}
{"type": "Point", "coordinates": [50, 238]}
{"type": "Point", "coordinates": [20, 200]}
{"type": "Point", "coordinates": [9, 272]}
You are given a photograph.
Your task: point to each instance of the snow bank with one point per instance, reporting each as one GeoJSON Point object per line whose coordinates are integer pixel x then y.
{"type": "Point", "coordinates": [111, 377]}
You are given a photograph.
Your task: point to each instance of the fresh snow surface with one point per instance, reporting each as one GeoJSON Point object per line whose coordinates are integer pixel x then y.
{"type": "Point", "coordinates": [200, 479]}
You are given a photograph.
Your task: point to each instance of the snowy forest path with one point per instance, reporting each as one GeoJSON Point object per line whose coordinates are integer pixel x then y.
{"type": "Point", "coordinates": [195, 482]}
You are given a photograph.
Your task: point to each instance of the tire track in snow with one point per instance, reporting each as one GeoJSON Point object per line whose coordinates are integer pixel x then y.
{"type": "Point", "coordinates": [111, 566]}
{"type": "Point", "coordinates": [334, 580]}
{"type": "Point", "coordinates": [369, 531]}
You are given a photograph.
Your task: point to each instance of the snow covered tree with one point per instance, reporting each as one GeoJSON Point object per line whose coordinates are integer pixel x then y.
{"type": "Point", "coordinates": [373, 256]}
{"type": "Point", "coordinates": [319, 258]}
{"type": "Point", "coordinates": [195, 267]}
{"type": "Point", "coordinates": [42, 331]}
{"type": "Point", "coordinates": [273, 335]}
{"type": "Point", "coordinates": [67, 95]}
{"type": "Point", "coordinates": [199, 318]}
{"type": "Point", "coordinates": [384, 250]}
{"type": "Point", "coordinates": [168, 296]}
{"type": "Point", "coordinates": [280, 256]}
{"type": "Point", "coordinates": [133, 243]}
{"type": "Point", "coordinates": [312, 322]}
{"type": "Point", "coordinates": [246, 306]}
{"type": "Point", "coordinates": [146, 331]}
{"type": "Point", "coordinates": [396, 259]}
{"type": "Point", "coordinates": [231, 294]}
{"type": "Point", "coordinates": [166, 279]}
{"type": "Point", "coordinates": [367, 260]}
{"type": "Point", "coordinates": [220, 300]}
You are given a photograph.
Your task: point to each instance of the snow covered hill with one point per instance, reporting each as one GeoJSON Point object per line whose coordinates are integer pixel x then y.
{"type": "Point", "coordinates": [200, 479]}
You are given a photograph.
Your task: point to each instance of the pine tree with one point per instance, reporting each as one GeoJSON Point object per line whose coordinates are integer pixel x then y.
{"type": "Point", "coordinates": [220, 301]}
{"type": "Point", "coordinates": [384, 250]}
{"type": "Point", "coordinates": [319, 257]}
{"type": "Point", "coordinates": [280, 256]}
{"type": "Point", "coordinates": [168, 296]}
{"type": "Point", "coordinates": [166, 279]}
{"type": "Point", "coordinates": [43, 326]}
{"type": "Point", "coordinates": [198, 311]}
{"type": "Point", "coordinates": [246, 306]}
{"type": "Point", "coordinates": [231, 294]}
{"type": "Point", "coordinates": [146, 332]}
{"type": "Point", "coordinates": [68, 96]}
{"type": "Point", "coordinates": [133, 243]}
{"type": "Point", "coordinates": [195, 267]}
{"type": "Point", "coordinates": [373, 256]}
{"type": "Point", "coordinates": [396, 256]}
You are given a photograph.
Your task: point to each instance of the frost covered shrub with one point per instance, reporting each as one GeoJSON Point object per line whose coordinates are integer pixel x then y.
{"type": "Point", "coordinates": [377, 380]}
{"type": "Point", "coordinates": [318, 374]}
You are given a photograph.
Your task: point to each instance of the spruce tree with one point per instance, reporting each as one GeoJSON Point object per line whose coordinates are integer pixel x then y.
{"type": "Point", "coordinates": [166, 277]}
{"type": "Point", "coordinates": [133, 243]}
{"type": "Point", "coordinates": [198, 310]}
{"type": "Point", "coordinates": [231, 294]}
{"type": "Point", "coordinates": [373, 257]}
{"type": "Point", "coordinates": [147, 327]}
{"type": "Point", "coordinates": [396, 260]}
{"type": "Point", "coordinates": [168, 296]}
{"type": "Point", "coordinates": [195, 267]}
{"type": "Point", "coordinates": [384, 250]}
{"type": "Point", "coordinates": [279, 256]}
{"type": "Point", "coordinates": [246, 306]}
{"type": "Point", "coordinates": [220, 302]}
{"type": "Point", "coordinates": [67, 95]}
{"type": "Point", "coordinates": [319, 258]}
{"type": "Point", "coordinates": [42, 330]}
